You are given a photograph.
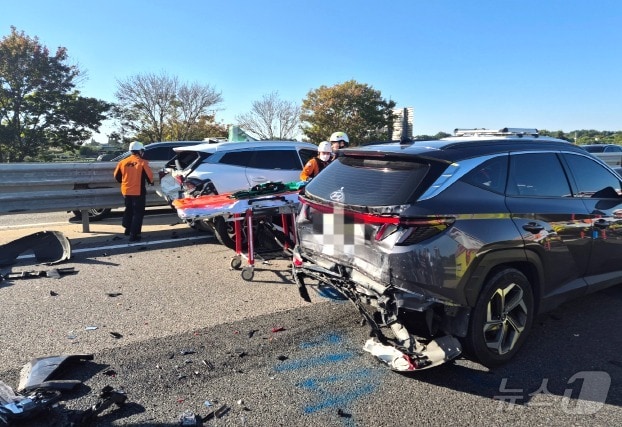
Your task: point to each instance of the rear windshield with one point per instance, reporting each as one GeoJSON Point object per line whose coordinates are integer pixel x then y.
{"type": "Point", "coordinates": [369, 181]}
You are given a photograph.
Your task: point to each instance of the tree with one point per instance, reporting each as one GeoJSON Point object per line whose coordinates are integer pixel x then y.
{"type": "Point", "coordinates": [39, 104]}
{"type": "Point", "coordinates": [159, 108]}
{"type": "Point", "coordinates": [271, 118]}
{"type": "Point", "coordinates": [351, 107]}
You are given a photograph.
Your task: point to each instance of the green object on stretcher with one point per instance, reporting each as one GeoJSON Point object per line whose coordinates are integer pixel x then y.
{"type": "Point", "coordinates": [267, 189]}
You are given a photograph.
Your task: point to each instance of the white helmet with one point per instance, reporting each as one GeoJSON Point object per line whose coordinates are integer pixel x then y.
{"type": "Point", "coordinates": [340, 137]}
{"type": "Point", "coordinates": [324, 147]}
{"type": "Point", "coordinates": [136, 146]}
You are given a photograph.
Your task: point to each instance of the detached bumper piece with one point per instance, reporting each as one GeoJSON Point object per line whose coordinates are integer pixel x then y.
{"type": "Point", "coordinates": [434, 353]}
{"type": "Point", "coordinates": [49, 247]}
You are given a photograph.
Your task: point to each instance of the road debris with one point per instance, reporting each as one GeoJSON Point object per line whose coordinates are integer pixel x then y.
{"type": "Point", "coordinates": [55, 273]}
{"type": "Point", "coordinates": [113, 294]}
{"type": "Point", "coordinates": [49, 247]}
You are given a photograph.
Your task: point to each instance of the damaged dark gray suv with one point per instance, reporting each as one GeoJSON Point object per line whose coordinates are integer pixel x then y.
{"type": "Point", "coordinates": [459, 243]}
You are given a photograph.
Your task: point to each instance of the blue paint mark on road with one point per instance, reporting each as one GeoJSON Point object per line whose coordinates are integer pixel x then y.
{"type": "Point", "coordinates": [341, 382]}
{"type": "Point", "coordinates": [316, 383]}
{"type": "Point", "coordinates": [330, 293]}
{"type": "Point", "coordinates": [313, 361]}
{"type": "Point", "coordinates": [323, 340]}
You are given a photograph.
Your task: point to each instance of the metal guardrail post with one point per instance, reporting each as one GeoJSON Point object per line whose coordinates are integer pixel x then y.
{"type": "Point", "coordinates": [85, 221]}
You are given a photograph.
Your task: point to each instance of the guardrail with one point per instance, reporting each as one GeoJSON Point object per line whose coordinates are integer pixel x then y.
{"type": "Point", "coordinates": [612, 159]}
{"type": "Point", "coordinates": [56, 187]}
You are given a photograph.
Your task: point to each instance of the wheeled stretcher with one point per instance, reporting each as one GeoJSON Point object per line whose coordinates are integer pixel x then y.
{"type": "Point", "coordinates": [247, 210]}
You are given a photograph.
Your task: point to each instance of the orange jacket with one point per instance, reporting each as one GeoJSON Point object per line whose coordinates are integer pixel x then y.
{"type": "Point", "coordinates": [312, 168]}
{"type": "Point", "coordinates": [132, 172]}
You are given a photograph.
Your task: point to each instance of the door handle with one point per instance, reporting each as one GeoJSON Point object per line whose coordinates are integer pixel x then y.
{"type": "Point", "coordinates": [533, 227]}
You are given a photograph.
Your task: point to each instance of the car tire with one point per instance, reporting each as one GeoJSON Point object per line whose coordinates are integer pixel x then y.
{"type": "Point", "coordinates": [94, 214]}
{"type": "Point", "coordinates": [225, 234]}
{"type": "Point", "coordinates": [501, 319]}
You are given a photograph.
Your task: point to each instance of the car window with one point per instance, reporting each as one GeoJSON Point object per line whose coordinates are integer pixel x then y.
{"type": "Point", "coordinates": [591, 177]}
{"type": "Point", "coordinates": [306, 155]}
{"type": "Point", "coordinates": [593, 148]}
{"type": "Point", "coordinates": [236, 158]}
{"type": "Point", "coordinates": [369, 181]}
{"type": "Point", "coordinates": [537, 174]}
{"type": "Point", "coordinates": [613, 149]}
{"type": "Point", "coordinates": [158, 153]}
{"type": "Point", "coordinates": [490, 175]}
{"type": "Point", "coordinates": [275, 159]}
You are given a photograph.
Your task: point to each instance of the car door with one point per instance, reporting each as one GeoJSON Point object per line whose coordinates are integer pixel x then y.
{"type": "Point", "coordinates": [599, 189]}
{"type": "Point", "coordinates": [273, 164]}
{"type": "Point", "coordinates": [554, 225]}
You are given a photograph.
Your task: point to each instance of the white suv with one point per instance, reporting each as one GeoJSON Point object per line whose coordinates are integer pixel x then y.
{"type": "Point", "coordinates": [231, 166]}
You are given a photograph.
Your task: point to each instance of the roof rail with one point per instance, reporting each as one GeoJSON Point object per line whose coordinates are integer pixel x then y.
{"type": "Point", "coordinates": [496, 132]}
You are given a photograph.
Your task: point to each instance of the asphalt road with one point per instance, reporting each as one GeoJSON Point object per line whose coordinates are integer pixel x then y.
{"type": "Point", "coordinates": [191, 335]}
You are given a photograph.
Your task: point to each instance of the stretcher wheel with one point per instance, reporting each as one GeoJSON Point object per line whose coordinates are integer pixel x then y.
{"type": "Point", "coordinates": [248, 273]}
{"type": "Point", "coordinates": [236, 262]}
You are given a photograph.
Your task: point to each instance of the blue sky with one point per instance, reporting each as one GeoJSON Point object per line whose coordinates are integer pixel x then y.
{"type": "Point", "coordinates": [549, 64]}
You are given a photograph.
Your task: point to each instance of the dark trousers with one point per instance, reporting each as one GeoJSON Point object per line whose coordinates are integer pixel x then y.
{"type": "Point", "coordinates": [134, 213]}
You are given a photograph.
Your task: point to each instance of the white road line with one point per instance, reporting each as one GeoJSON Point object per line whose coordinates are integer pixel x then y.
{"type": "Point", "coordinates": [39, 224]}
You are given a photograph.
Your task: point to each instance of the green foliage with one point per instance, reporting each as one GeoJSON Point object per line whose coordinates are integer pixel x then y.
{"type": "Point", "coordinates": [89, 151]}
{"type": "Point", "coordinates": [586, 136]}
{"type": "Point", "coordinates": [39, 105]}
{"type": "Point", "coordinates": [351, 107]}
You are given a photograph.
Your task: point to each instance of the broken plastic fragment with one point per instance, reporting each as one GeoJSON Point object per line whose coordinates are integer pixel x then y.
{"type": "Point", "coordinates": [220, 412]}
{"type": "Point", "coordinates": [396, 360]}
{"type": "Point", "coordinates": [188, 419]}
{"type": "Point", "coordinates": [38, 372]}
{"type": "Point", "coordinates": [49, 247]}
{"type": "Point", "coordinates": [434, 353]}
{"type": "Point", "coordinates": [343, 414]}
{"type": "Point", "coordinates": [278, 329]}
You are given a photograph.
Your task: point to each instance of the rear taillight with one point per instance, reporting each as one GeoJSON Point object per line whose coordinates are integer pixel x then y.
{"type": "Point", "coordinates": [417, 230]}
{"type": "Point", "coordinates": [409, 230]}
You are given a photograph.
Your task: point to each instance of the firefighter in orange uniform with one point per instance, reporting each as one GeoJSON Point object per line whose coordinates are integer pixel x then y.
{"type": "Point", "coordinates": [134, 173]}
{"type": "Point", "coordinates": [317, 163]}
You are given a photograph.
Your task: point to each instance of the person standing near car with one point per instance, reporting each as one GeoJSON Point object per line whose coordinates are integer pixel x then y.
{"type": "Point", "coordinates": [134, 173]}
{"type": "Point", "coordinates": [317, 163]}
{"type": "Point", "coordinates": [339, 140]}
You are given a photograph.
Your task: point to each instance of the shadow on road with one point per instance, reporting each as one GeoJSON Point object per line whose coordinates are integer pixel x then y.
{"type": "Point", "coordinates": [572, 351]}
